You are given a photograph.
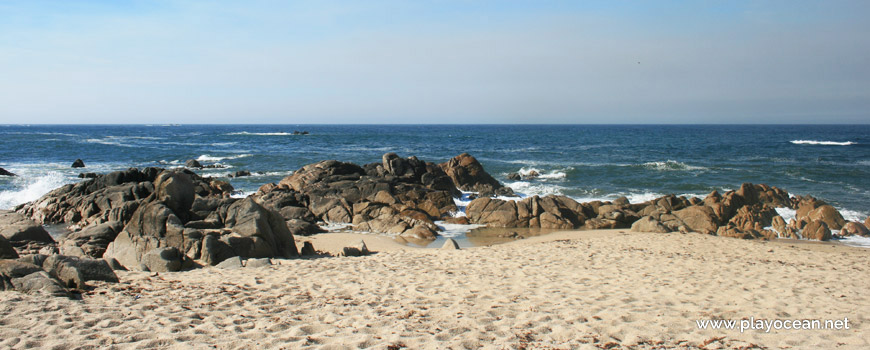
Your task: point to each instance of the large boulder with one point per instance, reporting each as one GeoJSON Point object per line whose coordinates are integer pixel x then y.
{"type": "Point", "coordinates": [165, 259]}
{"type": "Point", "coordinates": [698, 218]}
{"type": "Point", "coordinates": [817, 230]}
{"type": "Point", "coordinates": [854, 229]}
{"type": "Point", "coordinates": [468, 175]}
{"type": "Point", "coordinates": [153, 226]}
{"type": "Point", "coordinates": [78, 163]}
{"type": "Point", "coordinates": [74, 272]}
{"type": "Point", "coordinates": [6, 249]}
{"type": "Point", "coordinates": [827, 214]}
{"type": "Point", "coordinates": [262, 233]}
{"type": "Point", "coordinates": [19, 230]}
{"type": "Point", "coordinates": [493, 212]}
{"type": "Point", "coordinates": [755, 217]}
{"type": "Point", "coordinates": [176, 190]}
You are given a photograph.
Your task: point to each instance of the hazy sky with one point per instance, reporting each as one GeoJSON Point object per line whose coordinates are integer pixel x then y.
{"type": "Point", "coordinates": [434, 62]}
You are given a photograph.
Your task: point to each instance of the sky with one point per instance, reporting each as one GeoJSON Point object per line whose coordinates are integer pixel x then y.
{"type": "Point", "coordinates": [434, 62]}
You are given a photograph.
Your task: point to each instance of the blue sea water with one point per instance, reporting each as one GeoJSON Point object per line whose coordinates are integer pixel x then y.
{"type": "Point", "coordinates": [586, 162]}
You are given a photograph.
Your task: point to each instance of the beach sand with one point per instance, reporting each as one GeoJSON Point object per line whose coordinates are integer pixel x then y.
{"type": "Point", "coordinates": [566, 290]}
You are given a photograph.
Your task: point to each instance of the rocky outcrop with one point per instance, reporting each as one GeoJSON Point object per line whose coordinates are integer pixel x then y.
{"type": "Point", "coordinates": [468, 175]}
{"type": "Point", "coordinates": [557, 212]}
{"type": "Point", "coordinates": [52, 275]}
{"type": "Point", "coordinates": [854, 229]}
{"type": "Point", "coordinates": [78, 163]}
{"type": "Point", "coordinates": [74, 272]}
{"type": "Point", "coordinates": [4, 172]}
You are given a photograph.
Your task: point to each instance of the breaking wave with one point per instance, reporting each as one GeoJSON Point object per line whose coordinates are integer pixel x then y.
{"type": "Point", "coordinates": [822, 143]}
{"type": "Point", "coordinates": [671, 165]}
{"type": "Point", "coordinates": [209, 158]}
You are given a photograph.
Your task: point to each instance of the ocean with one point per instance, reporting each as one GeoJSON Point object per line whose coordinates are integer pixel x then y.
{"type": "Point", "coordinates": [585, 162]}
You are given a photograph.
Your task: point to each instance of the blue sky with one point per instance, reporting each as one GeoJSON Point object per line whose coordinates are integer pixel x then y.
{"type": "Point", "coordinates": [434, 62]}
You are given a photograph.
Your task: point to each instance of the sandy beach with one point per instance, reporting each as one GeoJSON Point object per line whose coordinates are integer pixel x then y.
{"type": "Point", "coordinates": [566, 290]}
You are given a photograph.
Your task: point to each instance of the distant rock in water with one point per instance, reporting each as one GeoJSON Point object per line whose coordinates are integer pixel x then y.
{"type": "Point", "coordinates": [78, 164]}
{"type": "Point", "coordinates": [87, 175]}
{"type": "Point", "coordinates": [193, 164]}
{"type": "Point", "coordinates": [3, 172]}
{"type": "Point", "coordinates": [240, 173]}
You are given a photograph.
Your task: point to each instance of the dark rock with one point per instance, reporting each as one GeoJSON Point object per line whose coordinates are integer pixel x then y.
{"type": "Point", "coordinates": [514, 177]}
{"type": "Point", "coordinates": [78, 164]}
{"type": "Point", "coordinates": [193, 163]}
{"type": "Point", "coordinates": [240, 173]}
{"type": "Point", "coordinates": [531, 175]}
{"type": "Point", "coordinates": [308, 249]}
{"type": "Point", "coordinates": [303, 228]}
{"type": "Point", "coordinates": [166, 259]}
{"type": "Point", "coordinates": [40, 283]}
{"type": "Point", "coordinates": [6, 249]}
{"type": "Point", "coordinates": [3, 172]}
{"type": "Point", "coordinates": [87, 175]}
{"type": "Point", "coordinates": [358, 249]}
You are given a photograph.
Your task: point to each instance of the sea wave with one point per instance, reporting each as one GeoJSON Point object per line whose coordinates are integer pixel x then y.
{"type": "Point", "coordinates": [262, 133]}
{"type": "Point", "coordinates": [210, 158]}
{"type": "Point", "coordinates": [822, 143]}
{"type": "Point", "coordinates": [671, 165]}
{"type": "Point", "coordinates": [553, 174]}
{"type": "Point", "coordinates": [27, 189]}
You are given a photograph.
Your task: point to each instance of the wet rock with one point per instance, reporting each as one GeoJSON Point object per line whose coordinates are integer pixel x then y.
{"type": "Point", "coordinates": [4, 172]}
{"type": "Point", "coordinates": [78, 163]}
{"type": "Point", "coordinates": [193, 164]}
{"type": "Point", "coordinates": [854, 229]}
{"type": "Point", "coordinates": [240, 173]}
{"type": "Point", "coordinates": [514, 177]}
{"type": "Point", "coordinates": [461, 220]}
{"type": "Point", "coordinates": [87, 175]}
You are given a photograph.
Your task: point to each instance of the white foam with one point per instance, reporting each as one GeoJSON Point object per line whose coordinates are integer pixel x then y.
{"type": "Point", "coordinates": [547, 175]}
{"type": "Point", "coordinates": [786, 213]}
{"type": "Point", "coordinates": [209, 158]}
{"type": "Point", "coordinates": [671, 165]}
{"type": "Point", "coordinates": [454, 230]}
{"type": "Point", "coordinates": [31, 188]}
{"type": "Point", "coordinates": [856, 241]}
{"type": "Point", "coordinates": [852, 215]}
{"type": "Point", "coordinates": [262, 133]}
{"type": "Point", "coordinates": [822, 143]}
{"type": "Point", "coordinates": [527, 189]}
